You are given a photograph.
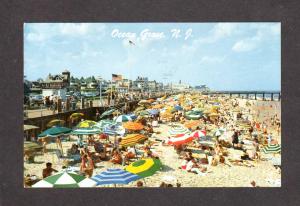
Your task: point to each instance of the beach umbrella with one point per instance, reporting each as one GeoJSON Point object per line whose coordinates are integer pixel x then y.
{"type": "Point", "coordinates": [178, 130]}
{"type": "Point", "coordinates": [76, 115]}
{"type": "Point", "coordinates": [133, 126]}
{"type": "Point", "coordinates": [138, 109]}
{"type": "Point", "coordinates": [153, 111]}
{"type": "Point", "coordinates": [55, 122]}
{"type": "Point", "coordinates": [27, 127]}
{"type": "Point", "coordinates": [115, 176]}
{"type": "Point", "coordinates": [114, 130]}
{"type": "Point", "coordinates": [158, 106]}
{"type": "Point", "coordinates": [272, 148]}
{"type": "Point", "coordinates": [144, 167]}
{"type": "Point", "coordinates": [107, 113]}
{"type": "Point", "coordinates": [144, 102]}
{"type": "Point", "coordinates": [55, 131]}
{"type": "Point", "coordinates": [123, 118]}
{"type": "Point", "coordinates": [86, 124]}
{"type": "Point", "coordinates": [178, 108]}
{"type": "Point", "coordinates": [192, 124]}
{"type": "Point", "coordinates": [181, 139]}
{"type": "Point", "coordinates": [143, 113]}
{"type": "Point", "coordinates": [105, 123]}
{"type": "Point", "coordinates": [32, 146]}
{"type": "Point", "coordinates": [199, 134]}
{"type": "Point", "coordinates": [86, 131]}
{"type": "Point", "coordinates": [132, 139]}
{"type": "Point", "coordinates": [65, 180]}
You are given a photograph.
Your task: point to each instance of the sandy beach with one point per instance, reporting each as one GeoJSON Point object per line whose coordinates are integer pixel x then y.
{"type": "Point", "coordinates": [223, 175]}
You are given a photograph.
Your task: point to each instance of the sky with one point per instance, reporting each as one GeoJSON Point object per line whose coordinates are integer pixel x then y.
{"type": "Point", "coordinates": [223, 56]}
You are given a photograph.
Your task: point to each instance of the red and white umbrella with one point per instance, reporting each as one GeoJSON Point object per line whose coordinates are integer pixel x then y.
{"type": "Point", "coordinates": [181, 139]}
{"type": "Point", "coordinates": [199, 134]}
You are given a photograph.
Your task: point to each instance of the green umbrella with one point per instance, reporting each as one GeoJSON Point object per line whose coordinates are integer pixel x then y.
{"type": "Point", "coordinates": [65, 180]}
{"type": "Point", "coordinates": [272, 148]}
{"type": "Point", "coordinates": [86, 131]}
{"type": "Point", "coordinates": [107, 113]}
{"type": "Point", "coordinates": [144, 167]}
{"type": "Point", "coordinates": [55, 131]}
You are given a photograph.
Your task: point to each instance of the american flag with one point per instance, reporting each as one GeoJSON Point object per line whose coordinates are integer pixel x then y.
{"type": "Point", "coordinates": [116, 77]}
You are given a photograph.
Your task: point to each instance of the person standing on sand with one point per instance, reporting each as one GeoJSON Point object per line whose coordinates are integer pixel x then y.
{"type": "Point", "coordinates": [59, 145]}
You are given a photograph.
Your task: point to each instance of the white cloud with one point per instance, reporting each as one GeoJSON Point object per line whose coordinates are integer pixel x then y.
{"type": "Point", "coordinates": [263, 32]}
{"type": "Point", "coordinates": [220, 31]}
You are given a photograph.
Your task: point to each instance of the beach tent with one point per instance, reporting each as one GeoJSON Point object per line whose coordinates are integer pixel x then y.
{"type": "Point", "coordinates": [65, 180]}
{"type": "Point", "coordinates": [144, 167]}
{"type": "Point", "coordinates": [55, 131]}
{"type": "Point", "coordinates": [115, 176]}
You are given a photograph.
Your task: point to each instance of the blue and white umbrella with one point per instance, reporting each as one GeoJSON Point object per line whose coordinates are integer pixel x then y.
{"type": "Point", "coordinates": [114, 130]}
{"type": "Point", "coordinates": [115, 176]}
{"type": "Point", "coordinates": [153, 111]}
{"type": "Point", "coordinates": [123, 118]}
{"type": "Point", "coordinates": [178, 108]}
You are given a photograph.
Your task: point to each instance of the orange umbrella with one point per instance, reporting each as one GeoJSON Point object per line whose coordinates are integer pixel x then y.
{"type": "Point", "coordinates": [151, 100]}
{"type": "Point", "coordinates": [133, 126]}
{"type": "Point", "coordinates": [132, 139]}
{"type": "Point", "coordinates": [192, 123]}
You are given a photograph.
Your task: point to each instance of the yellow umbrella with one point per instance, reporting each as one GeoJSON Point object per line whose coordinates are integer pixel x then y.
{"type": "Point", "coordinates": [76, 115]}
{"type": "Point", "coordinates": [55, 122]}
{"type": "Point", "coordinates": [86, 124]}
{"type": "Point", "coordinates": [144, 167]}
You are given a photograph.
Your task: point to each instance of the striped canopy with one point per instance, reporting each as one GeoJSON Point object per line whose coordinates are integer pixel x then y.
{"type": "Point", "coordinates": [115, 176]}
{"type": "Point", "coordinates": [272, 148]}
{"type": "Point", "coordinates": [55, 131]}
{"type": "Point", "coordinates": [123, 118]}
{"type": "Point", "coordinates": [178, 130]}
{"type": "Point", "coordinates": [65, 180]}
{"type": "Point", "coordinates": [144, 167]}
{"type": "Point", "coordinates": [55, 122]}
{"type": "Point", "coordinates": [182, 139]}
{"type": "Point", "coordinates": [132, 139]}
{"type": "Point", "coordinates": [135, 126]}
{"type": "Point", "coordinates": [86, 131]}
{"type": "Point", "coordinates": [86, 124]}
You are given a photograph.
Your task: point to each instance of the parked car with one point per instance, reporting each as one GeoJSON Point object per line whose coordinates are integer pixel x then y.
{"type": "Point", "coordinates": [36, 99]}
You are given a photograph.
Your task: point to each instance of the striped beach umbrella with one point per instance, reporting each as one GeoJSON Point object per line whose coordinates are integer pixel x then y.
{"type": "Point", "coordinates": [132, 139]}
{"type": "Point", "coordinates": [65, 180]}
{"type": "Point", "coordinates": [178, 108]}
{"type": "Point", "coordinates": [144, 167]}
{"type": "Point", "coordinates": [114, 130]}
{"type": "Point", "coordinates": [272, 148]}
{"type": "Point", "coordinates": [199, 134]}
{"type": "Point", "coordinates": [153, 111]}
{"type": "Point", "coordinates": [123, 118]}
{"type": "Point", "coordinates": [86, 124]}
{"type": "Point", "coordinates": [181, 139]}
{"type": "Point", "coordinates": [86, 131]}
{"type": "Point", "coordinates": [55, 131]}
{"type": "Point", "coordinates": [108, 112]}
{"type": "Point", "coordinates": [115, 176]}
{"type": "Point", "coordinates": [178, 130]}
{"type": "Point", "coordinates": [135, 126]}
{"type": "Point", "coordinates": [105, 123]}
